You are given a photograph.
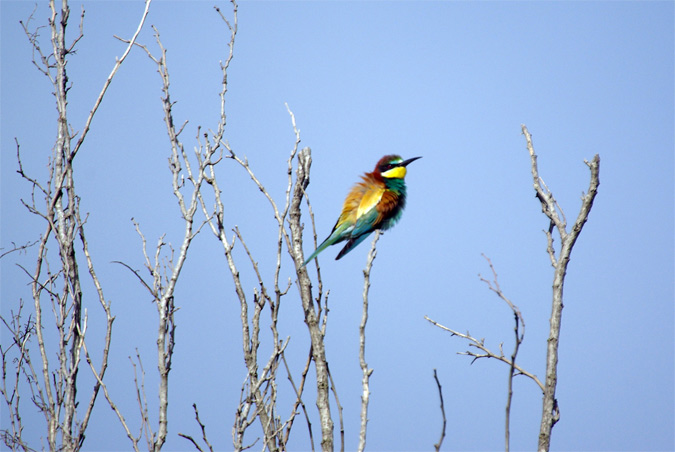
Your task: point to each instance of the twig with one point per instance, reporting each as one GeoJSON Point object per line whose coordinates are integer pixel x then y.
{"type": "Point", "coordinates": [339, 408]}
{"type": "Point", "coordinates": [487, 353]}
{"type": "Point", "coordinates": [365, 380]}
{"type": "Point", "coordinates": [108, 81]}
{"type": "Point", "coordinates": [134, 440]}
{"type": "Point", "coordinates": [438, 445]}
{"type": "Point", "coordinates": [519, 337]}
{"type": "Point", "coordinates": [298, 400]}
{"type": "Point", "coordinates": [203, 429]}
{"type": "Point", "coordinates": [19, 248]}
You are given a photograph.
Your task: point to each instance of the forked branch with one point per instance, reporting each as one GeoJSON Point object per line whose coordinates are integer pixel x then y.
{"type": "Point", "coordinates": [56, 388]}
{"type": "Point", "coordinates": [559, 261]}
{"type": "Point", "coordinates": [550, 410]}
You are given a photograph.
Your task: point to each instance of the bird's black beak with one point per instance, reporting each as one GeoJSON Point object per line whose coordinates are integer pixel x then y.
{"type": "Point", "coordinates": [409, 161]}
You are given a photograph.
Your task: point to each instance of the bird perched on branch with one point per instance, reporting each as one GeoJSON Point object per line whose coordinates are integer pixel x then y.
{"type": "Point", "coordinates": [374, 203]}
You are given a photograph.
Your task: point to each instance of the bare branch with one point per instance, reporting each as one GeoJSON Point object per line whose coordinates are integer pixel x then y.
{"type": "Point", "coordinates": [113, 406]}
{"type": "Point", "coordinates": [339, 408]}
{"type": "Point", "coordinates": [494, 286]}
{"type": "Point", "coordinates": [365, 393]}
{"type": "Point", "coordinates": [514, 369]}
{"type": "Point", "coordinates": [135, 272]}
{"type": "Point", "coordinates": [19, 248]}
{"type": "Point", "coordinates": [311, 317]}
{"type": "Point", "coordinates": [192, 440]}
{"type": "Point", "coordinates": [203, 429]}
{"type": "Point", "coordinates": [519, 337]}
{"type": "Point", "coordinates": [108, 81]}
{"type": "Point", "coordinates": [487, 353]}
{"type": "Point", "coordinates": [55, 390]}
{"type": "Point", "coordinates": [21, 333]}
{"type": "Point", "coordinates": [438, 445]}
{"type": "Point", "coordinates": [550, 410]}
{"type": "Point", "coordinates": [298, 400]}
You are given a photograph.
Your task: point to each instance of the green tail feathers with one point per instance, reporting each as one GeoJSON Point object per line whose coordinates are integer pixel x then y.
{"type": "Point", "coordinates": [326, 243]}
{"type": "Point", "coordinates": [352, 242]}
{"type": "Point", "coordinates": [337, 235]}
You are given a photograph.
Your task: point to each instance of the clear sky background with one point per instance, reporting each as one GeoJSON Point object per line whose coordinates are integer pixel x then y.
{"type": "Point", "coordinates": [450, 81]}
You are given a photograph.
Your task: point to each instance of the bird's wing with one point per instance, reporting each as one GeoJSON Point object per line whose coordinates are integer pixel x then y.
{"type": "Point", "coordinates": [369, 201]}
{"type": "Point", "coordinates": [378, 216]}
{"type": "Point", "coordinates": [370, 220]}
{"type": "Point", "coordinates": [367, 215]}
{"type": "Point", "coordinates": [366, 224]}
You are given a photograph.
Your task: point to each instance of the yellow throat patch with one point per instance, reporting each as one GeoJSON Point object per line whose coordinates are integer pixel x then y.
{"type": "Point", "coordinates": [398, 172]}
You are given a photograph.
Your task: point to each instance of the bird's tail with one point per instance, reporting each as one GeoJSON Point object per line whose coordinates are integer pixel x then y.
{"type": "Point", "coordinates": [351, 244]}
{"type": "Point", "coordinates": [326, 243]}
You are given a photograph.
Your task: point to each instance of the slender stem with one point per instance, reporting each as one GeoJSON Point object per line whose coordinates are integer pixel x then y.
{"type": "Point", "coordinates": [365, 381]}
{"type": "Point", "coordinates": [512, 373]}
{"type": "Point", "coordinates": [438, 445]}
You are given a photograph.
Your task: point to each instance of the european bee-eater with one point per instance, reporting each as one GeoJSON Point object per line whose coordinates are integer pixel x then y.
{"type": "Point", "coordinates": [374, 203]}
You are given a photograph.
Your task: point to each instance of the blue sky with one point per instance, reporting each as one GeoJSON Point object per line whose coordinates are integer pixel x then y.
{"type": "Point", "coordinates": [451, 81]}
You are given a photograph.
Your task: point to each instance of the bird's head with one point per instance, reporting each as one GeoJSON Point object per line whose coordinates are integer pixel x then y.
{"type": "Point", "coordinates": [393, 166]}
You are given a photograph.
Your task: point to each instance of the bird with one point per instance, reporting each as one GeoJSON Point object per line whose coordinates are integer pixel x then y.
{"type": "Point", "coordinates": [376, 202]}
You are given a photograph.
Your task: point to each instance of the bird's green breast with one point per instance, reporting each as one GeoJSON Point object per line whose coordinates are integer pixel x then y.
{"type": "Point", "coordinates": [396, 185]}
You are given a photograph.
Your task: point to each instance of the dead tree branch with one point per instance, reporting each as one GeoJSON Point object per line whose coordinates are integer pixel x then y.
{"type": "Point", "coordinates": [519, 337]}
{"type": "Point", "coordinates": [311, 315]}
{"type": "Point", "coordinates": [557, 221]}
{"type": "Point", "coordinates": [298, 401]}
{"type": "Point", "coordinates": [21, 333]}
{"type": "Point", "coordinates": [438, 445]}
{"type": "Point", "coordinates": [55, 386]}
{"type": "Point", "coordinates": [18, 248]}
{"type": "Point", "coordinates": [189, 198]}
{"type": "Point", "coordinates": [203, 429]}
{"type": "Point", "coordinates": [514, 369]}
{"type": "Point", "coordinates": [486, 352]}
{"type": "Point", "coordinates": [258, 400]}
{"type": "Point", "coordinates": [550, 208]}
{"type": "Point", "coordinates": [365, 380]}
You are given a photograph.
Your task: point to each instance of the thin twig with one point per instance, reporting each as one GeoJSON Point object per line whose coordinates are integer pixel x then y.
{"type": "Point", "coordinates": [487, 353]}
{"type": "Point", "coordinates": [108, 81]}
{"type": "Point", "coordinates": [298, 400]}
{"type": "Point", "coordinates": [519, 337]}
{"type": "Point", "coordinates": [203, 429]}
{"type": "Point", "coordinates": [365, 380]}
{"type": "Point", "coordinates": [339, 408]}
{"type": "Point", "coordinates": [438, 445]}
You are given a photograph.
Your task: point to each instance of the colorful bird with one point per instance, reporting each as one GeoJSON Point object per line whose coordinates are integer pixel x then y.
{"type": "Point", "coordinates": [374, 203]}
